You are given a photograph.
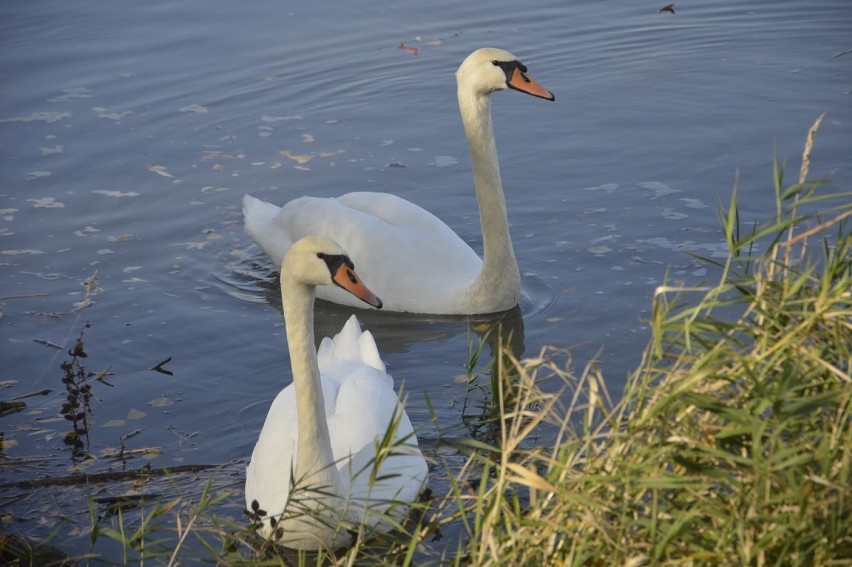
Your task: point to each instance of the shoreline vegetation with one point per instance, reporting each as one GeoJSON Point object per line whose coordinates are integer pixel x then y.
{"type": "Point", "coordinates": [730, 445]}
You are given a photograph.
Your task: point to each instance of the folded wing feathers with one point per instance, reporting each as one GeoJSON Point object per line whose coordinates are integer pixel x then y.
{"type": "Point", "coordinates": [350, 344]}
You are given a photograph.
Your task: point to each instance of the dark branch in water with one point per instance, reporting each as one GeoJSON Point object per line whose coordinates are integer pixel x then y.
{"type": "Point", "coordinates": [95, 478]}
{"type": "Point", "coordinates": [159, 367]}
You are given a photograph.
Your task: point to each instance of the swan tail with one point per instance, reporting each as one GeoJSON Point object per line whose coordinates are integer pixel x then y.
{"type": "Point", "coordinates": [351, 344]}
{"type": "Point", "coordinates": [259, 223]}
{"type": "Point", "coordinates": [255, 209]}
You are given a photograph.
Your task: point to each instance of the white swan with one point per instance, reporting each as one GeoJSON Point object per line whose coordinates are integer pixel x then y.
{"type": "Point", "coordinates": [312, 470]}
{"type": "Point", "coordinates": [416, 262]}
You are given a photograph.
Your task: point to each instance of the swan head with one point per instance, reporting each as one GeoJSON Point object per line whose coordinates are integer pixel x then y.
{"type": "Point", "coordinates": [316, 260]}
{"type": "Point", "coordinates": [489, 69]}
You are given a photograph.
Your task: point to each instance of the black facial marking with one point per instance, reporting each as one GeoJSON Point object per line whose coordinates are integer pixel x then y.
{"type": "Point", "coordinates": [334, 261]}
{"type": "Point", "coordinates": [509, 68]}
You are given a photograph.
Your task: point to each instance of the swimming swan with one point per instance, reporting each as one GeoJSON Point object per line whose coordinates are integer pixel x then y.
{"type": "Point", "coordinates": [311, 473]}
{"type": "Point", "coordinates": [415, 261]}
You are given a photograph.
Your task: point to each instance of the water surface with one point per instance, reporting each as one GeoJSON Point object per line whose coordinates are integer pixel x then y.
{"type": "Point", "coordinates": [129, 133]}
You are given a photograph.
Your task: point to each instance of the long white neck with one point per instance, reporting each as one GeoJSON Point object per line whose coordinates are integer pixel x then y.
{"type": "Point", "coordinates": [318, 485]}
{"type": "Point", "coordinates": [500, 279]}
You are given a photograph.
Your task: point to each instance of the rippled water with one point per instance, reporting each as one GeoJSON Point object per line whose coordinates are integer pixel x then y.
{"type": "Point", "coordinates": [129, 132]}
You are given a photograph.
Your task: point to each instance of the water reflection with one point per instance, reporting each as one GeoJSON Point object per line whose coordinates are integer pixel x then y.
{"type": "Point", "coordinates": [253, 281]}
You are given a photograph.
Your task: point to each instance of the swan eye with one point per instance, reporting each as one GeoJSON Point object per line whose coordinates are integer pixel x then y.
{"type": "Point", "coordinates": [321, 255]}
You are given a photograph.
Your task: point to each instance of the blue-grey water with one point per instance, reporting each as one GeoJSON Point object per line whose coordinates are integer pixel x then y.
{"type": "Point", "coordinates": [130, 131]}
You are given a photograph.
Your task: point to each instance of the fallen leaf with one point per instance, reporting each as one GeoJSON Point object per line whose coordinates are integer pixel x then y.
{"type": "Point", "coordinates": [298, 158]}
{"type": "Point", "coordinates": [46, 203]}
{"type": "Point", "coordinates": [196, 108]}
{"type": "Point", "coordinates": [159, 170]}
{"type": "Point", "coordinates": [161, 402]}
{"type": "Point", "coordinates": [407, 49]}
{"type": "Point", "coordinates": [116, 193]}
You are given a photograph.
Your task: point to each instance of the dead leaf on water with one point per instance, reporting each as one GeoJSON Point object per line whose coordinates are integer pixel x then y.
{"type": "Point", "coordinates": [298, 158]}
{"type": "Point", "coordinates": [21, 252]}
{"type": "Point", "coordinates": [159, 170]}
{"type": "Point", "coordinates": [407, 49]}
{"type": "Point", "coordinates": [161, 402]}
{"type": "Point", "coordinates": [46, 203]}
{"type": "Point", "coordinates": [116, 193]}
{"type": "Point", "coordinates": [136, 414]}
{"type": "Point", "coordinates": [80, 305]}
{"type": "Point", "coordinates": [193, 108]}
{"type": "Point", "coordinates": [91, 282]}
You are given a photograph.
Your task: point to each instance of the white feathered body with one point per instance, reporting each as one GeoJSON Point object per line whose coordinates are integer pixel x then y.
{"type": "Point", "coordinates": [360, 405]}
{"type": "Point", "coordinates": [408, 257]}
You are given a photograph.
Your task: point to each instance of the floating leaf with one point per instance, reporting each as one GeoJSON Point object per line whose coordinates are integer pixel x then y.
{"type": "Point", "coordinates": [196, 108]}
{"type": "Point", "coordinates": [71, 94]}
{"type": "Point", "coordinates": [21, 252]}
{"type": "Point", "coordinates": [50, 151]}
{"type": "Point", "coordinates": [136, 414]}
{"type": "Point", "coordinates": [115, 116]}
{"type": "Point", "coordinates": [273, 119]}
{"type": "Point", "coordinates": [116, 193]}
{"type": "Point", "coordinates": [82, 304]}
{"type": "Point", "coordinates": [298, 158]}
{"type": "Point", "coordinates": [48, 117]}
{"type": "Point", "coordinates": [159, 170]}
{"type": "Point", "coordinates": [161, 402]}
{"type": "Point", "coordinates": [407, 49]}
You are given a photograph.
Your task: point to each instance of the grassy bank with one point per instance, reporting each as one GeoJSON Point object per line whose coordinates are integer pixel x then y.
{"type": "Point", "coordinates": [730, 445]}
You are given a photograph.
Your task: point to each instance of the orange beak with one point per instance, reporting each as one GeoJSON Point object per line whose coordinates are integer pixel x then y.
{"type": "Point", "coordinates": [520, 81]}
{"type": "Point", "coordinates": [346, 278]}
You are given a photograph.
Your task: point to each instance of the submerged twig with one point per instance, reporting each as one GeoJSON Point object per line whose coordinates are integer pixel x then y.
{"type": "Point", "coordinates": [159, 367]}
{"type": "Point", "coordinates": [44, 392]}
{"type": "Point", "coordinates": [94, 478]}
{"type": "Point", "coordinates": [22, 296]}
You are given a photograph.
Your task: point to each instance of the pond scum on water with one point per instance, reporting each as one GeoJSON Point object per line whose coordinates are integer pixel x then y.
{"type": "Point", "coordinates": [730, 445]}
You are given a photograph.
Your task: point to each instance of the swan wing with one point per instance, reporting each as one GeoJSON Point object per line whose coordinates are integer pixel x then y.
{"type": "Point", "coordinates": [269, 473]}
{"type": "Point", "coordinates": [351, 344]}
{"type": "Point", "coordinates": [406, 255]}
{"type": "Point", "coordinates": [364, 412]}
